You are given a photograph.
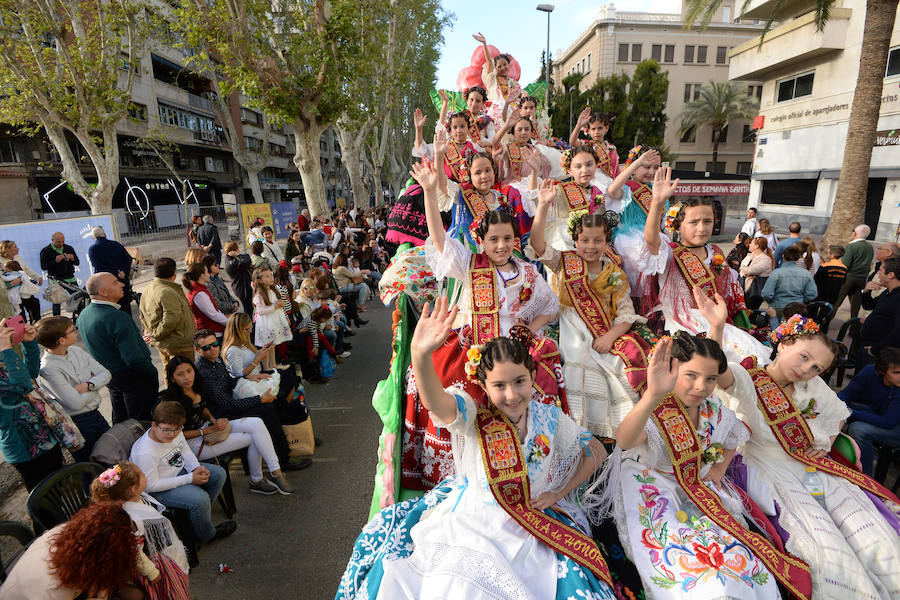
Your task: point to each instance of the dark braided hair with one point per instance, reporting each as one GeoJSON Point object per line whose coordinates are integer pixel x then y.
{"type": "Point", "coordinates": [504, 214]}
{"type": "Point", "coordinates": [606, 220]}
{"type": "Point", "coordinates": [524, 99]}
{"type": "Point", "coordinates": [503, 349]}
{"type": "Point", "coordinates": [602, 117]}
{"type": "Point", "coordinates": [476, 88]}
{"type": "Point", "coordinates": [690, 203]}
{"type": "Point", "coordinates": [685, 346]}
{"type": "Point", "coordinates": [458, 115]}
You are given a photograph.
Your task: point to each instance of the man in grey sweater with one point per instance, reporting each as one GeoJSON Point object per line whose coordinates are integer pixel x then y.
{"type": "Point", "coordinates": [857, 258]}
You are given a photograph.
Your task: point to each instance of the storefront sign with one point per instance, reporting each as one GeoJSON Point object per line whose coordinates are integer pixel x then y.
{"type": "Point", "coordinates": [887, 138]}
{"type": "Point", "coordinates": [251, 212]}
{"type": "Point", "coordinates": [713, 189]}
{"type": "Point", "coordinates": [282, 214]}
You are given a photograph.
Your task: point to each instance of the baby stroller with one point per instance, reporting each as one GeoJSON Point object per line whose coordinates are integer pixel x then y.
{"type": "Point", "coordinates": [78, 298]}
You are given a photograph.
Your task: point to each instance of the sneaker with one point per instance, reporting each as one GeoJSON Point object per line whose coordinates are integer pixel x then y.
{"type": "Point", "coordinates": [263, 486]}
{"type": "Point", "coordinates": [344, 354]}
{"type": "Point", "coordinates": [296, 464]}
{"type": "Point", "coordinates": [280, 484]}
{"type": "Point", "coordinates": [224, 529]}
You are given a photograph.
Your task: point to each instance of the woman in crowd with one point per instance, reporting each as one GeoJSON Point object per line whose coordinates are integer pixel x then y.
{"type": "Point", "coordinates": [812, 260]}
{"type": "Point", "coordinates": [31, 305]}
{"type": "Point", "coordinates": [294, 246]}
{"type": "Point", "coordinates": [350, 284]}
{"type": "Point", "coordinates": [193, 256]}
{"type": "Point", "coordinates": [755, 268]}
{"type": "Point", "coordinates": [765, 230]}
{"type": "Point", "coordinates": [243, 359]}
{"type": "Point", "coordinates": [206, 315]}
{"type": "Point", "coordinates": [239, 269]}
{"type": "Point", "coordinates": [209, 437]}
{"type": "Point", "coordinates": [221, 296]}
{"type": "Point", "coordinates": [740, 251]}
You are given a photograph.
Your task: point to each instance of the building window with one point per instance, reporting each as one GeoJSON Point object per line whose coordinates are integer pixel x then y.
{"type": "Point", "coordinates": [755, 90]}
{"type": "Point", "coordinates": [589, 62]}
{"type": "Point", "coordinates": [656, 52]}
{"type": "Point", "coordinates": [749, 135]}
{"type": "Point", "coordinates": [215, 165]}
{"type": "Point", "coordinates": [726, 14]}
{"type": "Point", "coordinates": [251, 116]}
{"type": "Point", "coordinates": [137, 111]}
{"type": "Point", "coordinates": [636, 53]}
{"type": "Point", "coordinates": [795, 87]}
{"type": "Point", "coordinates": [715, 167]}
{"type": "Point", "coordinates": [670, 53]}
{"type": "Point", "coordinates": [691, 92]}
{"type": "Point", "coordinates": [723, 135]}
{"type": "Point", "coordinates": [721, 55]}
{"type": "Point", "coordinates": [623, 52]}
{"type": "Point", "coordinates": [701, 55]}
{"type": "Point", "coordinates": [8, 152]}
{"type": "Point", "coordinates": [893, 64]}
{"type": "Point", "coordinates": [688, 55]}
{"type": "Point", "coordinates": [794, 192]}
{"type": "Point", "coordinates": [253, 144]}
{"type": "Point", "coordinates": [744, 168]}
{"type": "Point", "coordinates": [684, 165]}
{"type": "Point", "coordinates": [689, 136]}
{"type": "Point", "coordinates": [168, 116]}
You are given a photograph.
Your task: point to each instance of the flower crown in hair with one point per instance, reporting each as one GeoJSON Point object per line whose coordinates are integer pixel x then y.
{"type": "Point", "coordinates": [671, 214]}
{"type": "Point", "coordinates": [574, 220]}
{"type": "Point", "coordinates": [633, 154]}
{"type": "Point", "coordinates": [794, 326]}
{"type": "Point", "coordinates": [506, 209]}
{"type": "Point", "coordinates": [110, 477]}
{"type": "Point", "coordinates": [565, 160]}
{"type": "Point", "coordinates": [473, 359]}
{"type": "Point", "coordinates": [464, 114]}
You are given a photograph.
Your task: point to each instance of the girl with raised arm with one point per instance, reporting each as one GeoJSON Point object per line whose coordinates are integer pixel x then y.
{"type": "Point", "coordinates": [508, 522]}
{"type": "Point", "coordinates": [679, 517]}
{"type": "Point", "coordinates": [848, 532]}
{"type": "Point", "coordinates": [501, 88]}
{"type": "Point", "coordinates": [498, 292]}
{"type": "Point", "coordinates": [669, 270]}
{"type": "Point", "coordinates": [514, 165]}
{"type": "Point", "coordinates": [575, 193]}
{"type": "Point", "coordinates": [604, 360]}
{"type": "Point", "coordinates": [597, 125]}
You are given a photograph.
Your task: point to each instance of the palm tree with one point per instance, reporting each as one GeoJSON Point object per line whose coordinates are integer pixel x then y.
{"type": "Point", "coordinates": [850, 200]}
{"type": "Point", "coordinates": [718, 104]}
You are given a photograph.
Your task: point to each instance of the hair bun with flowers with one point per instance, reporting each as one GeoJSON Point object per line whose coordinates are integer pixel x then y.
{"type": "Point", "coordinates": [671, 214]}
{"type": "Point", "coordinates": [574, 219]}
{"type": "Point", "coordinates": [110, 477]}
{"type": "Point", "coordinates": [565, 159]}
{"type": "Point", "coordinates": [473, 359]}
{"type": "Point", "coordinates": [633, 154]}
{"type": "Point", "coordinates": [796, 325]}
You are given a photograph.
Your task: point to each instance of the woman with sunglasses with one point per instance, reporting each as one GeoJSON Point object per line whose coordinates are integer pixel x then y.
{"type": "Point", "coordinates": [209, 437]}
{"type": "Point", "coordinates": [242, 359]}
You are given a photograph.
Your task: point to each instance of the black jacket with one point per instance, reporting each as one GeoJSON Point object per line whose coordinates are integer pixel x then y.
{"type": "Point", "coordinates": [58, 270]}
{"type": "Point", "coordinates": [881, 329]}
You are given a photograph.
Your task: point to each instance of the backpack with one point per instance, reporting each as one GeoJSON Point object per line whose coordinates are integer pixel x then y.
{"type": "Point", "coordinates": [114, 446]}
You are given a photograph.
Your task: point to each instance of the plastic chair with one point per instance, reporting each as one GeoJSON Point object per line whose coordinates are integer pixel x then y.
{"type": "Point", "coordinates": [61, 494]}
{"type": "Point", "coordinates": [23, 535]}
{"type": "Point", "coordinates": [819, 311]}
{"type": "Point", "coordinates": [851, 328]}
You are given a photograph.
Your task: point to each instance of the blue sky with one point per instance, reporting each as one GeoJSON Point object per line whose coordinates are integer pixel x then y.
{"type": "Point", "coordinates": [516, 27]}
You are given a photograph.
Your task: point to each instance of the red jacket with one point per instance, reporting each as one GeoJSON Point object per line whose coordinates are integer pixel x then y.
{"type": "Point", "coordinates": [200, 319]}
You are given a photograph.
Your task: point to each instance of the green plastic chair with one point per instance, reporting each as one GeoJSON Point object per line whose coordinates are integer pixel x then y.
{"type": "Point", "coordinates": [61, 494]}
{"type": "Point", "coordinates": [23, 535]}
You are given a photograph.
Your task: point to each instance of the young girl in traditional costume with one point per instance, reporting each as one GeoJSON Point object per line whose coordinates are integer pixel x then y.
{"type": "Point", "coordinates": [574, 194]}
{"type": "Point", "coordinates": [498, 291]}
{"type": "Point", "coordinates": [598, 125]}
{"type": "Point", "coordinates": [458, 145]}
{"type": "Point", "coordinates": [849, 537]}
{"type": "Point", "coordinates": [477, 196]}
{"type": "Point", "coordinates": [508, 523]}
{"type": "Point", "coordinates": [501, 88]}
{"type": "Point", "coordinates": [514, 168]}
{"type": "Point", "coordinates": [679, 518]}
{"type": "Point", "coordinates": [669, 270]}
{"type": "Point", "coordinates": [604, 362]}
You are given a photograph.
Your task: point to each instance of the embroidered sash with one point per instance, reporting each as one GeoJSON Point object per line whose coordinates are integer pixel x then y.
{"type": "Point", "coordinates": [454, 162]}
{"type": "Point", "coordinates": [794, 436]}
{"type": "Point", "coordinates": [630, 347]}
{"type": "Point", "coordinates": [574, 197]}
{"type": "Point", "coordinates": [474, 129]}
{"type": "Point", "coordinates": [604, 162]}
{"type": "Point", "coordinates": [485, 300]}
{"type": "Point", "coordinates": [514, 152]}
{"type": "Point", "coordinates": [684, 450]}
{"type": "Point", "coordinates": [694, 270]}
{"type": "Point", "coordinates": [642, 194]}
{"type": "Point", "coordinates": [507, 475]}
{"type": "Point", "coordinates": [477, 205]}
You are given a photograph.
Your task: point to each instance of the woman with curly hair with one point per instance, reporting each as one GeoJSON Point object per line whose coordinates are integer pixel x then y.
{"type": "Point", "coordinates": [93, 554]}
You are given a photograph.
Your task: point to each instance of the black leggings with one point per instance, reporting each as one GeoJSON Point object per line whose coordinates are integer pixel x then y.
{"type": "Point", "coordinates": [34, 470]}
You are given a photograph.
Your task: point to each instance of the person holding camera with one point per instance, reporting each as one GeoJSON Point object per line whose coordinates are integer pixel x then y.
{"type": "Point", "coordinates": [59, 260]}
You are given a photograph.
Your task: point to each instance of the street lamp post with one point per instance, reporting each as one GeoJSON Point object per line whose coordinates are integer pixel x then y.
{"type": "Point", "coordinates": [547, 8]}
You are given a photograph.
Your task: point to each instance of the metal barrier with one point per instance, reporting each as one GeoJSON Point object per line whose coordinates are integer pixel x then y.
{"type": "Point", "coordinates": [166, 222]}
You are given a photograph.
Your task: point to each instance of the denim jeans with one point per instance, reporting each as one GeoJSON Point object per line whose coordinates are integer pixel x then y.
{"type": "Point", "coordinates": [335, 338]}
{"type": "Point", "coordinates": [197, 500]}
{"type": "Point", "coordinates": [361, 290]}
{"type": "Point", "coordinates": [92, 425]}
{"type": "Point", "coordinates": [866, 435]}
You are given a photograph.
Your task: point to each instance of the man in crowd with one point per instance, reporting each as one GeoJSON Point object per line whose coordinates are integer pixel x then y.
{"type": "Point", "coordinates": [858, 259]}
{"type": "Point", "coordinates": [208, 238]}
{"type": "Point", "coordinates": [749, 226]}
{"type": "Point", "coordinates": [113, 339]}
{"type": "Point", "coordinates": [881, 329]}
{"type": "Point", "coordinates": [59, 260]}
{"type": "Point", "coordinates": [789, 283]}
{"type": "Point", "coordinates": [830, 276]}
{"type": "Point", "coordinates": [793, 238]}
{"type": "Point", "coordinates": [303, 220]}
{"type": "Point", "coordinates": [885, 250]}
{"type": "Point", "coordinates": [109, 256]}
{"type": "Point", "coordinates": [218, 388]}
{"type": "Point", "coordinates": [166, 315]}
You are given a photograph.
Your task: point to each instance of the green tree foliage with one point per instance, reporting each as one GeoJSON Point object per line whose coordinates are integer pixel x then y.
{"type": "Point", "coordinates": [67, 67]}
{"type": "Point", "coordinates": [638, 102]}
{"type": "Point", "coordinates": [718, 104]}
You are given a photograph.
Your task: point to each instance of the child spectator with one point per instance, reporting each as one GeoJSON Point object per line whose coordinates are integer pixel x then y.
{"type": "Point", "coordinates": [336, 327]}
{"type": "Point", "coordinates": [830, 276]}
{"type": "Point", "coordinates": [124, 484]}
{"type": "Point", "coordinates": [256, 255]}
{"type": "Point", "coordinates": [13, 276]}
{"type": "Point", "coordinates": [174, 475]}
{"type": "Point", "coordinates": [272, 325]}
{"type": "Point", "coordinates": [74, 378]}
{"type": "Point", "coordinates": [319, 327]}
{"type": "Point", "coordinates": [874, 397]}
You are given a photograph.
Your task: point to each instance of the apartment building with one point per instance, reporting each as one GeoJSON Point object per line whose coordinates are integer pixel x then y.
{"type": "Point", "coordinates": [617, 41]}
{"type": "Point", "coordinates": [808, 79]}
{"type": "Point", "coordinates": [176, 104]}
